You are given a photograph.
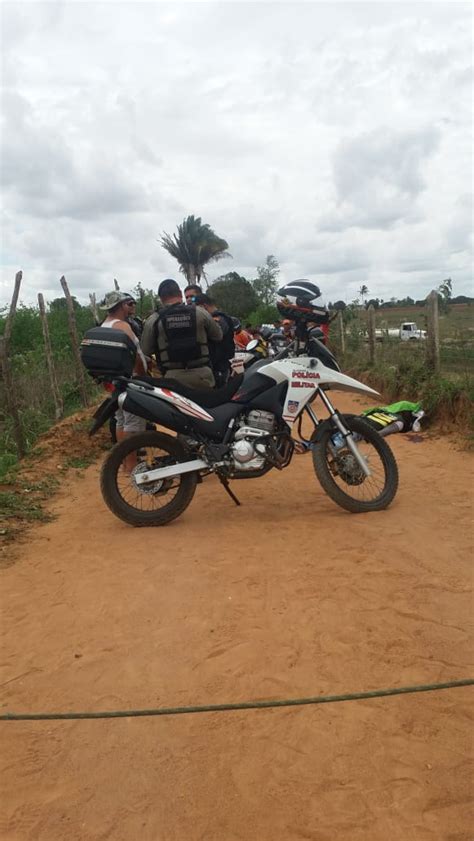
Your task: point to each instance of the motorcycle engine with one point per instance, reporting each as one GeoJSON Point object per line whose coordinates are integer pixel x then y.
{"type": "Point", "coordinates": [246, 451]}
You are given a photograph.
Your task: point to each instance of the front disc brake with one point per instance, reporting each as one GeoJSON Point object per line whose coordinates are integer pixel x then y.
{"type": "Point", "coordinates": [345, 465]}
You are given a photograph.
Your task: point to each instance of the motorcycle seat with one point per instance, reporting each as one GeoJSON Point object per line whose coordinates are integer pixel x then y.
{"type": "Point", "coordinates": [208, 398]}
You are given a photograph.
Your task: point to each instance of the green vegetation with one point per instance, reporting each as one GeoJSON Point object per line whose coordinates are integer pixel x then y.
{"type": "Point", "coordinates": [252, 301]}
{"type": "Point", "coordinates": [30, 374]}
{"type": "Point", "coordinates": [23, 501]}
{"type": "Point", "coordinates": [265, 284]}
{"type": "Point", "coordinates": [234, 294]}
{"type": "Point", "coordinates": [400, 370]}
{"type": "Point", "coordinates": [459, 319]}
{"type": "Point", "coordinates": [456, 330]}
{"type": "Point", "coordinates": [80, 463]}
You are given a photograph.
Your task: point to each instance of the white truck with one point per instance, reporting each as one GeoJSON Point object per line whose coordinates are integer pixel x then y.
{"type": "Point", "coordinates": [408, 331]}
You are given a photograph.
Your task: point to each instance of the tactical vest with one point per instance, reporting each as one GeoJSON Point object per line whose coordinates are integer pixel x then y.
{"type": "Point", "coordinates": [182, 347]}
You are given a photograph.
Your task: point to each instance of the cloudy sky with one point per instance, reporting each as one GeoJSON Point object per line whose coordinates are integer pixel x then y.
{"type": "Point", "coordinates": [335, 136]}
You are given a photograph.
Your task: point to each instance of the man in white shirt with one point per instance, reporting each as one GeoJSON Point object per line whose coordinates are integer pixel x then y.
{"type": "Point", "coordinates": [119, 306]}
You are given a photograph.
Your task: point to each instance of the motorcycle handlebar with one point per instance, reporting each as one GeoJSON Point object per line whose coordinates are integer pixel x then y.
{"type": "Point", "coordinates": [285, 352]}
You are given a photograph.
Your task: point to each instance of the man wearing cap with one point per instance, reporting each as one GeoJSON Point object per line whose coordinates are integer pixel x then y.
{"type": "Point", "coordinates": [118, 307]}
{"type": "Point", "coordinates": [178, 336]}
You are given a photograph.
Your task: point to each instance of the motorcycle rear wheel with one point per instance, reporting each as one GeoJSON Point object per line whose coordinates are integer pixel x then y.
{"type": "Point", "coordinates": [154, 505]}
{"type": "Point", "coordinates": [356, 492]}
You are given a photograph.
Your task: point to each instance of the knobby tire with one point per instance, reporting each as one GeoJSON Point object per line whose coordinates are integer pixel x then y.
{"type": "Point", "coordinates": [328, 483]}
{"type": "Point", "coordinates": [112, 465]}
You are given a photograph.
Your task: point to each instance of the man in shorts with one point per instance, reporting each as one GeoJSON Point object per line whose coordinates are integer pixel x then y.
{"type": "Point", "coordinates": [118, 306]}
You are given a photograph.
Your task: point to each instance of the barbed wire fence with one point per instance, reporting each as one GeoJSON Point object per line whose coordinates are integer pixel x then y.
{"type": "Point", "coordinates": [359, 341]}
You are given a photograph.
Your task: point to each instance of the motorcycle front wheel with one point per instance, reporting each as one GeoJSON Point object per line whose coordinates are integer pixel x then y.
{"type": "Point", "coordinates": [343, 479]}
{"type": "Point", "coordinates": [154, 504]}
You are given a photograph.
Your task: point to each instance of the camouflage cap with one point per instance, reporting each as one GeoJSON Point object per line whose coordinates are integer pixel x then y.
{"type": "Point", "coordinates": [112, 299]}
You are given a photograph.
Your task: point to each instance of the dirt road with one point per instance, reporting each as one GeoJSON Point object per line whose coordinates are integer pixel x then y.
{"type": "Point", "coordinates": [287, 596]}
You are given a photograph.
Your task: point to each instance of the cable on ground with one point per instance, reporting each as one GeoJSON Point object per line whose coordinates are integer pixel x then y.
{"type": "Point", "coordinates": [240, 705]}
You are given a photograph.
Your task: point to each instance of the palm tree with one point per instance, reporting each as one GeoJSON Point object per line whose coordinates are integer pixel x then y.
{"type": "Point", "coordinates": [363, 291]}
{"type": "Point", "coordinates": [193, 247]}
{"type": "Point", "coordinates": [446, 288]}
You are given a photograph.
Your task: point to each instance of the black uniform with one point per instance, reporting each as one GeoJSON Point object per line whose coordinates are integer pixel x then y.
{"type": "Point", "coordinates": [222, 352]}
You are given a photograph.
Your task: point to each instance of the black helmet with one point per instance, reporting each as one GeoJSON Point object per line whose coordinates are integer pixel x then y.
{"type": "Point", "coordinates": [236, 323]}
{"type": "Point", "coordinates": [296, 300]}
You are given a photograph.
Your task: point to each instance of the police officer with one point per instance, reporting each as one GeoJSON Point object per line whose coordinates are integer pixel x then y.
{"type": "Point", "coordinates": [220, 352]}
{"type": "Point", "coordinates": [178, 336]}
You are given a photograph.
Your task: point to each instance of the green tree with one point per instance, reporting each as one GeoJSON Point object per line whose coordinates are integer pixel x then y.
{"type": "Point", "coordinates": [234, 295]}
{"type": "Point", "coordinates": [146, 300]}
{"type": "Point", "coordinates": [194, 246]}
{"type": "Point", "coordinates": [265, 283]}
{"type": "Point", "coordinates": [264, 314]}
{"type": "Point", "coordinates": [351, 312]}
{"type": "Point", "coordinates": [27, 334]}
{"type": "Point", "coordinates": [60, 304]}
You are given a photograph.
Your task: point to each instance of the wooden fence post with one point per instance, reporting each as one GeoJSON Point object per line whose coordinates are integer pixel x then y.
{"type": "Point", "coordinates": [12, 407]}
{"type": "Point", "coordinates": [58, 403]}
{"type": "Point", "coordinates": [342, 333]}
{"type": "Point", "coordinates": [432, 342]}
{"type": "Point", "coordinates": [95, 313]}
{"type": "Point", "coordinates": [371, 330]}
{"type": "Point", "coordinates": [75, 343]}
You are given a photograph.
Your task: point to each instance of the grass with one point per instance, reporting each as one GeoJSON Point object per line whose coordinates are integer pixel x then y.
{"type": "Point", "coordinates": [24, 501]}
{"type": "Point", "coordinates": [36, 406]}
{"type": "Point", "coordinates": [80, 463]}
{"type": "Point", "coordinates": [400, 373]}
{"type": "Point", "coordinates": [400, 369]}
{"type": "Point", "coordinates": [459, 319]}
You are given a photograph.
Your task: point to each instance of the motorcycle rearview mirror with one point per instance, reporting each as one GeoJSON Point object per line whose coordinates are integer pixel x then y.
{"type": "Point", "coordinates": [252, 345]}
{"type": "Point", "coordinates": [316, 333]}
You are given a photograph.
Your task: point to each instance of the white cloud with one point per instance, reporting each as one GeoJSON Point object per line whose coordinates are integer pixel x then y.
{"type": "Point", "coordinates": [337, 137]}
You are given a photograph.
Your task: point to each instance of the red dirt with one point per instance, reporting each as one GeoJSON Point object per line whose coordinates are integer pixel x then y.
{"type": "Point", "coordinates": [287, 596]}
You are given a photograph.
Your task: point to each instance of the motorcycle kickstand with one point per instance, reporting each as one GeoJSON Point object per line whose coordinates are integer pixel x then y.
{"type": "Point", "coordinates": [225, 485]}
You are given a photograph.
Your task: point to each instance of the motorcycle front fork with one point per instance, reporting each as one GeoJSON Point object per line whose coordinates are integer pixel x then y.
{"type": "Point", "coordinates": [346, 433]}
